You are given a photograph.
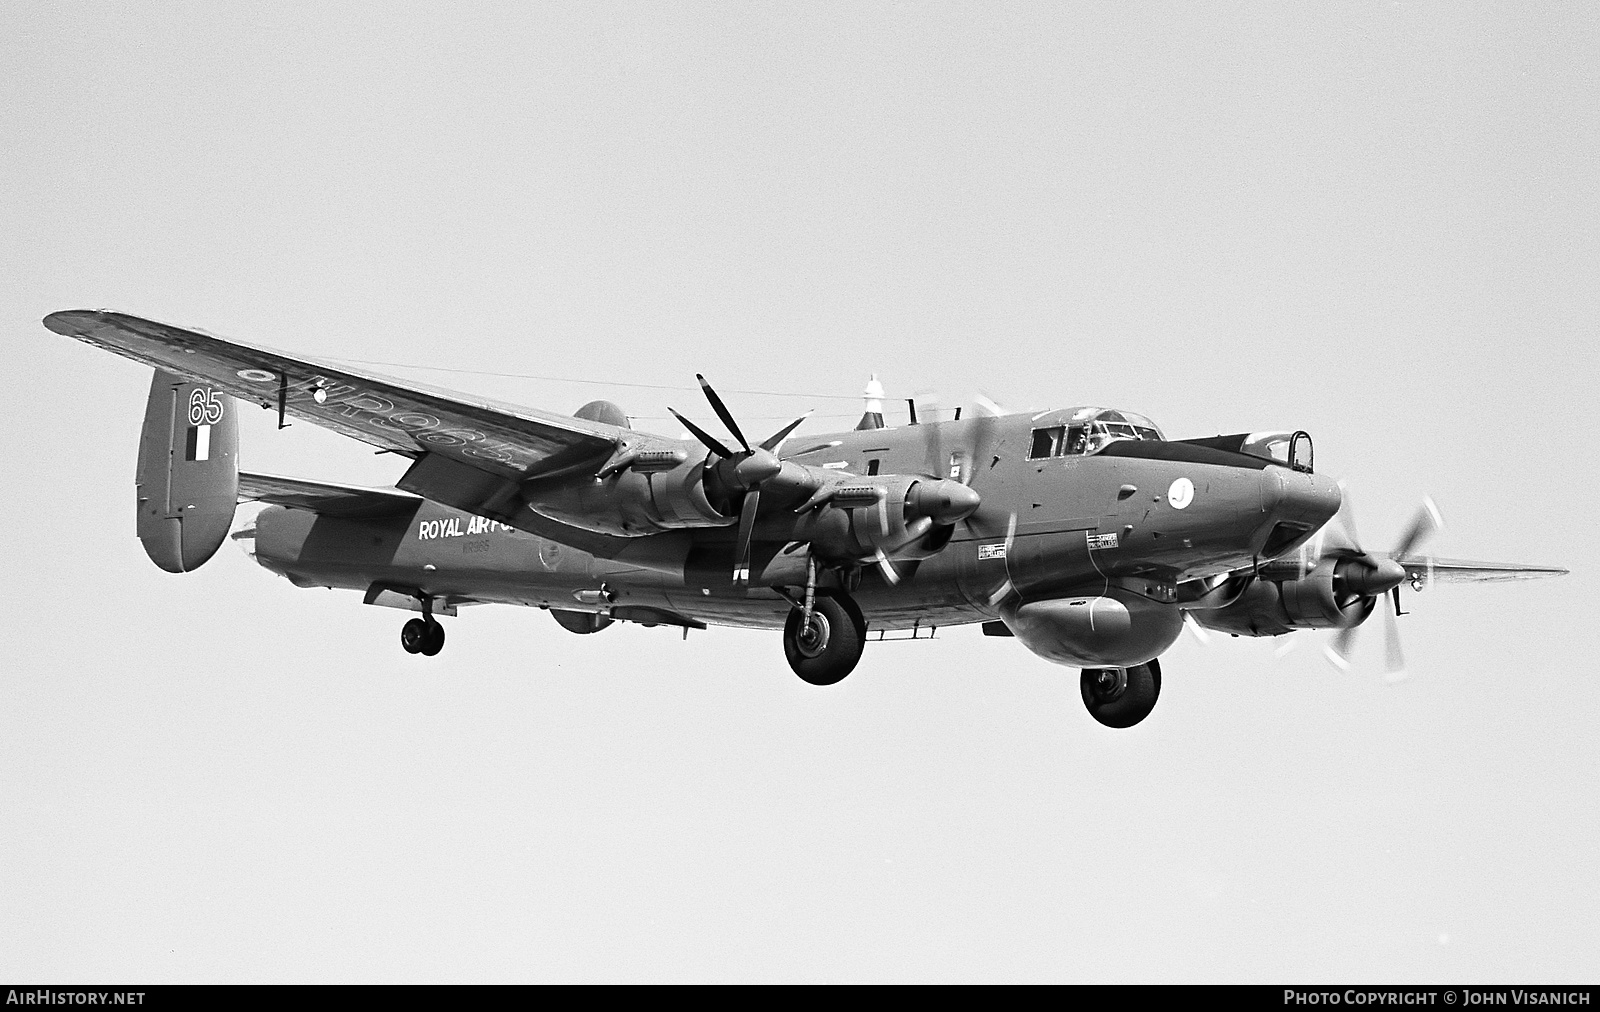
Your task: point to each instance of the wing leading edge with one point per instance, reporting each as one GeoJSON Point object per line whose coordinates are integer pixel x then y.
{"type": "Point", "coordinates": [1427, 570]}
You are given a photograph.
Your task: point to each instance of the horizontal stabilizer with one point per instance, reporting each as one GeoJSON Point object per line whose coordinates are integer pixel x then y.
{"type": "Point", "coordinates": [351, 501]}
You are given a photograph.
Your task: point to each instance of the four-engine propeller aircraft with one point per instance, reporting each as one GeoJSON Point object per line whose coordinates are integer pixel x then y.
{"type": "Point", "coordinates": [1084, 533]}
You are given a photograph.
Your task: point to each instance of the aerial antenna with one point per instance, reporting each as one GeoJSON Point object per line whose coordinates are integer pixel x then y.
{"type": "Point", "coordinates": [873, 393]}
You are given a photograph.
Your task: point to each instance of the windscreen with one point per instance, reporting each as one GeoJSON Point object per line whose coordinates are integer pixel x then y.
{"type": "Point", "coordinates": [1088, 430]}
{"type": "Point", "coordinates": [1111, 424]}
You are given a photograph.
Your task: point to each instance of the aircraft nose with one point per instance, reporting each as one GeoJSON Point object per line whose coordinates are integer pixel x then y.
{"type": "Point", "coordinates": [1300, 497]}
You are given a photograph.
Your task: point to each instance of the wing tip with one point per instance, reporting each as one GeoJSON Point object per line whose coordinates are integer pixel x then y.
{"type": "Point", "coordinates": [68, 322]}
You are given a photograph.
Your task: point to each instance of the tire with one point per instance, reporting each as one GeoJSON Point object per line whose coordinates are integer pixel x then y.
{"type": "Point", "coordinates": [434, 641]}
{"type": "Point", "coordinates": [836, 637]}
{"type": "Point", "coordinates": [1121, 697]}
{"type": "Point", "coordinates": [413, 636]}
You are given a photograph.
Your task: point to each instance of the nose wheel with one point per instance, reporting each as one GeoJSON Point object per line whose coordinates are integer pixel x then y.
{"type": "Point", "coordinates": [1121, 697]}
{"type": "Point", "coordinates": [422, 636]}
{"type": "Point", "coordinates": [825, 648]}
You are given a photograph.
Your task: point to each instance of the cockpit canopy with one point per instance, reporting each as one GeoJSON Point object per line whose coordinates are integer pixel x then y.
{"type": "Point", "coordinates": [1073, 431]}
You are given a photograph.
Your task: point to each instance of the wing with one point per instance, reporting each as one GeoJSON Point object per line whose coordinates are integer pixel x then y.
{"type": "Point", "coordinates": [1426, 569]}
{"type": "Point", "coordinates": [328, 499]}
{"type": "Point", "coordinates": [398, 415]}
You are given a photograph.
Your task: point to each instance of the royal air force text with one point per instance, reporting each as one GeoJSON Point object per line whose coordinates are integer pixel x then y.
{"type": "Point", "coordinates": [452, 527]}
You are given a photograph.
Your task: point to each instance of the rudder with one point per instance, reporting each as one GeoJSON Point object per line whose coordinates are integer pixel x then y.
{"type": "Point", "coordinates": [188, 478]}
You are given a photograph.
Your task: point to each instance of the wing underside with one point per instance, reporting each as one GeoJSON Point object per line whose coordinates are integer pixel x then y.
{"type": "Point", "coordinates": [350, 501]}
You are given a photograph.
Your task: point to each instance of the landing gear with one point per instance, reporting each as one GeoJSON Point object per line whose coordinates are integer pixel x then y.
{"type": "Point", "coordinates": [422, 636]}
{"type": "Point", "coordinates": [1121, 697]}
{"type": "Point", "coordinates": [825, 649]}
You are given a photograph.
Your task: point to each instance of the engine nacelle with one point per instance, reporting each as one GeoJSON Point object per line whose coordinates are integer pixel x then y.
{"type": "Point", "coordinates": [666, 492]}
{"type": "Point", "coordinates": [1314, 601]}
{"type": "Point", "coordinates": [1116, 629]}
{"type": "Point", "coordinates": [677, 499]}
{"type": "Point", "coordinates": [901, 516]}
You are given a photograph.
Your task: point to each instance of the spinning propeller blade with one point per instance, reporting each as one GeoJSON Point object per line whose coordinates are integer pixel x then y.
{"type": "Point", "coordinates": [1369, 575]}
{"type": "Point", "coordinates": [890, 574]}
{"type": "Point", "coordinates": [1338, 648]}
{"type": "Point", "coordinates": [1424, 525]}
{"type": "Point", "coordinates": [1394, 665]}
{"type": "Point", "coordinates": [988, 407]}
{"type": "Point", "coordinates": [957, 455]}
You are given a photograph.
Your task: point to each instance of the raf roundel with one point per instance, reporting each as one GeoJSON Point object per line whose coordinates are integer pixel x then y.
{"type": "Point", "coordinates": [1180, 493]}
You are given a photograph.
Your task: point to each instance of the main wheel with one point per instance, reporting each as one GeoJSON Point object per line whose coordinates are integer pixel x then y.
{"type": "Point", "coordinates": [1121, 697]}
{"type": "Point", "coordinates": [829, 646]}
{"type": "Point", "coordinates": [434, 641]}
{"type": "Point", "coordinates": [413, 635]}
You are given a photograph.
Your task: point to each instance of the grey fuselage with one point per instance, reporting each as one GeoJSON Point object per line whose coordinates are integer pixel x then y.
{"type": "Point", "coordinates": [1145, 517]}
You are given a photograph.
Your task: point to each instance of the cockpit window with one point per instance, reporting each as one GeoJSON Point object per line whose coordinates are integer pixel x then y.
{"type": "Point", "coordinates": [1046, 442]}
{"type": "Point", "coordinates": [1077, 439]}
{"type": "Point", "coordinates": [1090, 429]}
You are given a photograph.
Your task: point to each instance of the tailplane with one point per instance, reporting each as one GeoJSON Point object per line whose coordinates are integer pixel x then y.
{"type": "Point", "coordinates": [188, 479]}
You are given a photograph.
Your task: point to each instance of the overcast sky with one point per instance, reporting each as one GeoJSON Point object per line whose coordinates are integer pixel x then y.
{"type": "Point", "coordinates": [1377, 222]}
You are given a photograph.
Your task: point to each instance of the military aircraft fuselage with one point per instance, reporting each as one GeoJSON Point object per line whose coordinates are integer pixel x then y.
{"type": "Point", "coordinates": [1139, 516]}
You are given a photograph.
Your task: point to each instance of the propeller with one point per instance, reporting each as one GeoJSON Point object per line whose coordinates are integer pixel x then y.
{"type": "Point", "coordinates": [1363, 575]}
{"type": "Point", "coordinates": [988, 406]}
{"type": "Point", "coordinates": [741, 471]}
{"type": "Point", "coordinates": [964, 466]}
{"type": "Point", "coordinates": [975, 435]}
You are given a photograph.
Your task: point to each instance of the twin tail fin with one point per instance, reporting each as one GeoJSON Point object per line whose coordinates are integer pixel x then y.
{"type": "Point", "coordinates": [188, 477]}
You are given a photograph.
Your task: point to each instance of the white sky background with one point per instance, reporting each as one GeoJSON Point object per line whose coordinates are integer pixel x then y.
{"type": "Point", "coordinates": [1377, 222]}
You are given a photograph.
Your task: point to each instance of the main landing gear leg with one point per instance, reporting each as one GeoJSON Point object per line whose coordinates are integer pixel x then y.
{"type": "Point", "coordinates": [1121, 697]}
{"type": "Point", "coordinates": [423, 635]}
{"type": "Point", "coordinates": [824, 642]}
